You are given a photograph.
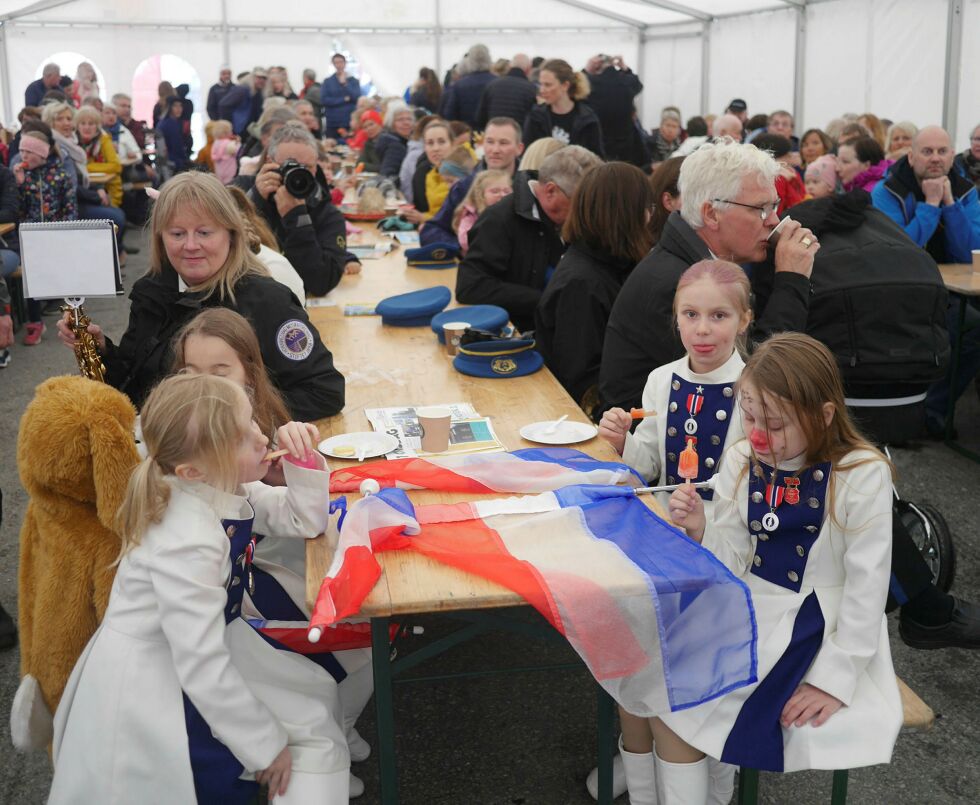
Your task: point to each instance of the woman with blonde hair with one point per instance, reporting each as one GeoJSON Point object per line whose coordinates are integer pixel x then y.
{"type": "Point", "coordinates": [899, 140]}
{"type": "Point", "coordinates": [561, 114]}
{"type": "Point", "coordinates": [874, 126]}
{"type": "Point", "coordinates": [200, 257]}
{"type": "Point", "coordinates": [101, 154]}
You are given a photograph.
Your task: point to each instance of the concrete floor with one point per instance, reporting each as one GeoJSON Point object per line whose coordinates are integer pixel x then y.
{"type": "Point", "coordinates": [528, 737]}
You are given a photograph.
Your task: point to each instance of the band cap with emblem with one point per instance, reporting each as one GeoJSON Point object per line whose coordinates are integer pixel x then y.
{"type": "Point", "coordinates": [415, 308]}
{"type": "Point", "coordinates": [433, 256]}
{"type": "Point", "coordinates": [513, 357]}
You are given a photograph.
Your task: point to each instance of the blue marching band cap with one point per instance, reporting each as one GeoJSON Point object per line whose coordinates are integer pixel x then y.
{"type": "Point", "coordinates": [413, 309]}
{"type": "Point", "coordinates": [491, 318]}
{"type": "Point", "coordinates": [435, 255]}
{"type": "Point", "coordinates": [514, 357]}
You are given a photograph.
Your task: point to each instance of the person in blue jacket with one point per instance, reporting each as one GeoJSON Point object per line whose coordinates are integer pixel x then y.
{"type": "Point", "coordinates": [939, 210]}
{"type": "Point", "coordinates": [339, 95]}
{"type": "Point", "coordinates": [934, 204]}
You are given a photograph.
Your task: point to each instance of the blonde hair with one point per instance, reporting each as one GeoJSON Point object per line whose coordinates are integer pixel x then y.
{"type": "Point", "coordinates": [219, 128]}
{"type": "Point", "coordinates": [51, 111]}
{"type": "Point", "coordinates": [204, 193]}
{"type": "Point", "coordinates": [185, 418]}
{"type": "Point", "coordinates": [474, 196]}
{"type": "Point", "coordinates": [89, 113]}
{"type": "Point", "coordinates": [538, 151]}
{"type": "Point", "coordinates": [578, 84]}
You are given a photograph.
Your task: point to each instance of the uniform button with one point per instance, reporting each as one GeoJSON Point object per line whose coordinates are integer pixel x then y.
{"type": "Point", "coordinates": [670, 479]}
{"type": "Point", "coordinates": [755, 525]}
{"type": "Point", "coordinates": [240, 560]}
{"type": "Point", "coordinates": [763, 536]}
{"type": "Point", "coordinates": [721, 416]}
{"type": "Point", "coordinates": [812, 529]}
{"type": "Point", "coordinates": [818, 475]}
{"type": "Point", "coordinates": [800, 550]}
{"type": "Point", "coordinates": [230, 531]}
{"type": "Point", "coordinates": [676, 385]}
{"type": "Point", "coordinates": [716, 439]}
{"type": "Point", "coordinates": [672, 407]}
{"type": "Point", "coordinates": [235, 608]}
{"type": "Point", "coordinates": [709, 462]}
{"type": "Point", "coordinates": [757, 497]}
{"type": "Point", "coordinates": [671, 431]}
{"type": "Point", "coordinates": [235, 581]}
{"type": "Point", "coordinates": [792, 576]}
{"type": "Point", "coordinates": [813, 503]}
{"type": "Point", "coordinates": [757, 560]}
{"type": "Point", "coordinates": [727, 391]}
{"type": "Point", "coordinates": [672, 456]}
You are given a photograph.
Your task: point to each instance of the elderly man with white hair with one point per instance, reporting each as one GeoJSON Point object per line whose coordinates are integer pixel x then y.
{"type": "Point", "coordinates": [461, 100]}
{"type": "Point", "coordinates": [728, 210]}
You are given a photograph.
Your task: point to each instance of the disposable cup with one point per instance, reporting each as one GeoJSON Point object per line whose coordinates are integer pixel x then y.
{"type": "Point", "coordinates": [976, 259]}
{"type": "Point", "coordinates": [434, 424]}
{"type": "Point", "coordinates": [453, 332]}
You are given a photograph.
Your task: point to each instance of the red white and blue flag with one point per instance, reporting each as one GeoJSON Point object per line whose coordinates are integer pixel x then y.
{"type": "Point", "coordinates": [661, 623]}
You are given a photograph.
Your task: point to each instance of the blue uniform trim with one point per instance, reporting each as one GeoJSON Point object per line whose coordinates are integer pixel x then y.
{"type": "Point", "coordinates": [216, 770]}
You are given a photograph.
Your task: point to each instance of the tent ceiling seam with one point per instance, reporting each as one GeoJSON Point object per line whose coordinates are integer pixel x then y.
{"type": "Point", "coordinates": [216, 27]}
{"type": "Point", "coordinates": [679, 8]}
{"type": "Point", "coordinates": [583, 6]}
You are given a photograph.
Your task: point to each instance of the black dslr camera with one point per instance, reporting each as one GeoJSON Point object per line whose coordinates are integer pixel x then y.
{"type": "Point", "coordinates": [298, 180]}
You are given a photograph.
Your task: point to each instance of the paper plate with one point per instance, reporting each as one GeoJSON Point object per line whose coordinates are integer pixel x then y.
{"type": "Point", "coordinates": [352, 445]}
{"type": "Point", "coordinates": [566, 433]}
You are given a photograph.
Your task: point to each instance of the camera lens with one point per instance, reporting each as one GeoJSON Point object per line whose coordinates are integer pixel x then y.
{"type": "Point", "coordinates": [299, 182]}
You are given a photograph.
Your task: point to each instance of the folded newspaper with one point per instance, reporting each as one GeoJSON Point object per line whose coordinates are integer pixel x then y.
{"type": "Point", "coordinates": [468, 431]}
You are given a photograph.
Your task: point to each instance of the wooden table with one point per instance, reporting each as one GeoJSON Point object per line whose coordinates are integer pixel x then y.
{"type": "Point", "coordinates": [390, 366]}
{"type": "Point", "coordinates": [97, 178]}
{"type": "Point", "coordinates": [5, 228]}
{"type": "Point", "coordinates": [960, 279]}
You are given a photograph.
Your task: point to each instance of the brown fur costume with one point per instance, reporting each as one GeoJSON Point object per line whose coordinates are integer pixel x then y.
{"type": "Point", "coordinates": [75, 453]}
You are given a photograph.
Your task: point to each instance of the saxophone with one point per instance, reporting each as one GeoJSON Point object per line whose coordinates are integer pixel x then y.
{"type": "Point", "coordinates": [86, 351]}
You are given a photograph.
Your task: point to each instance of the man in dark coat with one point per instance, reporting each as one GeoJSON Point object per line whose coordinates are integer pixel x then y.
{"type": "Point", "coordinates": [50, 79]}
{"type": "Point", "coordinates": [511, 95]}
{"type": "Point", "coordinates": [217, 92]}
{"type": "Point", "coordinates": [461, 98]}
{"type": "Point", "coordinates": [338, 96]}
{"type": "Point", "coordinates": [516, 244]}
{"type": "Point", "coordinates": [614, 86]}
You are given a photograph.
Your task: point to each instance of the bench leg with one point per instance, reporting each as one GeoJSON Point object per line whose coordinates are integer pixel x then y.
{"type": "Point", "coordinates": [606, 723]}
{"type": "Point", "coordinates": [748, 786]}
{"type": "Point", "coordinates": [838, 794]}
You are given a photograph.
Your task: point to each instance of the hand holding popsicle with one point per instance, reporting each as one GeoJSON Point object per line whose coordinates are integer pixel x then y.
{"type": "Point", "coordinates": [614, 426]}
{"type": "Point", "coordinates": [687, 461]}
{"type": "Point", "coordinates": [641, 413]}
{"type": "Point", "coordinates": [686, 510]}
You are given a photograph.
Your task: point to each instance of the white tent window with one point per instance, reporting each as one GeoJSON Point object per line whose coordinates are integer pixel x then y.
{"type": "Point", "coordinates": [68, 61]}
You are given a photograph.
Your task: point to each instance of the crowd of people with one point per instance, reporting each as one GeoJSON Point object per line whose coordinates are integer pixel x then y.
{"type": "Point", "coordinates": [647, 265]}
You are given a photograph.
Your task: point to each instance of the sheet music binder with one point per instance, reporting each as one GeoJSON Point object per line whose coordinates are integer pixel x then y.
{"type": "Point", "coordinates": [64, 259]}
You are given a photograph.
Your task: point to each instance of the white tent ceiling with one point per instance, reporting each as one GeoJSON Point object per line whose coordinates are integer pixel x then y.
{"type": "Point", "coordinates": [902, 59]}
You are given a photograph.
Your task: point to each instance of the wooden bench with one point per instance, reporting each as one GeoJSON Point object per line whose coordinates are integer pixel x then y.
{"type": "Point", "coordinates": [917, 716]}
{"type": "Point", "coordinates": [18, 305]}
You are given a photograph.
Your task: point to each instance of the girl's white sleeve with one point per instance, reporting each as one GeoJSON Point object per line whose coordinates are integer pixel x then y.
{"type": "Point", "coordinates": [188, 573]}
{"type": "Point", "coordinates": [847, 650]}
{"type": "Point", "coordinates": [642, 450]}
{"type": "Point", "coordinates": [726, 533]}
{"type": "Point", "coordinates": [299, 509]}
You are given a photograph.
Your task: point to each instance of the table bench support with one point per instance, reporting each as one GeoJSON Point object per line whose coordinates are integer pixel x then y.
{"type": "Point", "coordinates": [381, 661]}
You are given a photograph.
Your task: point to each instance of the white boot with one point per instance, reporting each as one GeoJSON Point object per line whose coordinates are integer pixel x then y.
{"type": "Point", "coordinates": [360, 749]}
{"type": "Point", "coordinates": [682, 783]}
{"type": "Point", "coordinates": [721, 782]}
{"type": "Point", "coordinates": [356, 787]}
{"type": "Point", "coordinates": [619, 779]}
{"type": "Point", "coordinates": [322, 789]}
{"type": "Point", "coordinates": [641, 776]}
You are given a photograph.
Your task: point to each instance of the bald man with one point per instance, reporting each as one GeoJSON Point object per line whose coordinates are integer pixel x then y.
{"type": "Point", "coordinates": [726, 125]}
{"type": "Point", "coordinates": [933, 203]}
{"type": "Point", "coordinates": [511, 95]}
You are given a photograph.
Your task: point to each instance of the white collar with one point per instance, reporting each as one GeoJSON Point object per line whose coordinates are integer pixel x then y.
{"type": "Point", "coordinates": [728, 372]}
{"type": "Point", "coordinates": [226, 505]}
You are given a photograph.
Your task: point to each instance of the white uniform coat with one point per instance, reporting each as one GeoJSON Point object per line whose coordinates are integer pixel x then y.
{"type": "Point", "coordinates": [645, 449]}
{"type": "Point", "coordinates": [120, 735]}
{"type": "Point", "coordinates": [847, 567]}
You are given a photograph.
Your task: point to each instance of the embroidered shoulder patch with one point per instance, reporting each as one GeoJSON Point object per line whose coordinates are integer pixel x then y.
{"type": "Point", "coordinates": [294, 340]}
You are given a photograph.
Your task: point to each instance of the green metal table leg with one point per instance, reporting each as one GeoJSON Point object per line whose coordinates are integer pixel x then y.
{"type": "Point", "coordinates": [838, 794]}
{"type": "Point", "coordinates": [953, 367]}
{"type": "Point", "coordinates": [748, 786]}
{"type": "Point", "coordinates": [606, 720]}
{"type": "Point", "coordinates": [381, 660]}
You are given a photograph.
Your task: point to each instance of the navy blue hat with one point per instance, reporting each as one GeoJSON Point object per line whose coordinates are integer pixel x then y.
{"type": "Point", "coordinates": [491, 318]}
{"type": "Point", "coordinates": [513, 357]}
{"type": "Point", "coordinates": [413, 309]}
{"type": "Point", "coordinates": [435, 255]}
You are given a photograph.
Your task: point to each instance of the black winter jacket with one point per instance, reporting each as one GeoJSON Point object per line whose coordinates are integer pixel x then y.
{"type": "Point", "coordinates": [611, 99]}
{"type": "Point", "coordinates": [313, 237]}
{"type": "Point", "coordinates": [461, 98]}
{"type": "Point", "coordinates": [513, 247]}
{"type": "Point", "coordinates": [391, 149]}
{"type": "Point", "coordinates": [641, 334]}
{"type": "Point", "coordinates": [510, 96]}
{"type": "Point", "coordinates": [585, 128]}
{"type": "Point", "coordinates": [296, 359]}
{"type": "Point", "coordinates": [570, 322]}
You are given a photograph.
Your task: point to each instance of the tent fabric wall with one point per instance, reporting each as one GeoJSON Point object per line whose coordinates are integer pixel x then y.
{"type": "Point", "coordinates": [671, 77]}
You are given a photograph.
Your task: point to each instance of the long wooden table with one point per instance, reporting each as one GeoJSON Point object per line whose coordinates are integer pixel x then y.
{"type": "Point", "coordinates": [392, 366]}
{"type": "Point", "coordinates": [961, 279]}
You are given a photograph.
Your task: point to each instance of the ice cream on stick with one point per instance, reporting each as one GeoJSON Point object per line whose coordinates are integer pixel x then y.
{"type": "Point", "coordinates": [687, 461]}
{"type": "Point", "coordinates": [274, 455]}
{"type": "Point", "coordinates": [640, 413]}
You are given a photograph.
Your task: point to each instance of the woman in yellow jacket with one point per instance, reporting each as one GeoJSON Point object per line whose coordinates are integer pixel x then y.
{"type": "Point", "coordinates": [431, 184]}
{"type": "Point", "coordinates": [102, 156]}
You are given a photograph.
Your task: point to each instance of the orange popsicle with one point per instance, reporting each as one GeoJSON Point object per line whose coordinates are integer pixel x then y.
{"type": "Point", "coordinates": [687, 461]}
{"type": "Point", "coordinates": [640, 413]}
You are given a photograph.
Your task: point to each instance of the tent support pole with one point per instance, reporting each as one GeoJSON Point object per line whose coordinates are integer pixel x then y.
{"type": "Point", "coordinates": [799, 77]}
{"type": "Point", "coordinates": [951, 82]}
{"type": "Point", "coordinates": [705, 65]}
{"type": "Point", "coordinates": [8, 109]}
{"type": "Point", "coordinates": [225, 39]}
{"type": "Point", "coordinates": [438, 39]}
{"type": "Point", "coordinates": [641, 63]}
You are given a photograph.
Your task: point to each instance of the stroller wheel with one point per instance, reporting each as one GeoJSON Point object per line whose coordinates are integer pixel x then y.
{"type": "Point", "coordinates": [932, 537]}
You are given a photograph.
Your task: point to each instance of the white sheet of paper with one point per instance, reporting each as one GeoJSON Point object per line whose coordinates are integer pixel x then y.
{"type": "Point", "coordinates": [63, 262]}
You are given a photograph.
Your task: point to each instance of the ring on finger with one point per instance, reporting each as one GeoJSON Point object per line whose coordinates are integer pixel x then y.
{"type": "Point", "coordinates": [807, 242]}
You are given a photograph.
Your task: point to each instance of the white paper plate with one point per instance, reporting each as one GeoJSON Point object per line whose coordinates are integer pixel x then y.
{"type": "Point", "coordinates": [352, 445]}
{"type": "Point", "coordinates": [566, 433]}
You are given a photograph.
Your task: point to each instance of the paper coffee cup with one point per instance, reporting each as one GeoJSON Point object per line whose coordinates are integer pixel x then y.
{"type": "Point", "coordinates": [453, 332]}
{"type": "Point", "coordinates": [976, 259]}
{"type": "Point", "coordinates": [434, 424]}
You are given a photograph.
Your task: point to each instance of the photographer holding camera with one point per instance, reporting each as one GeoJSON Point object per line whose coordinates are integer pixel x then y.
{"type": "Point", "coordinates": [293, 196]}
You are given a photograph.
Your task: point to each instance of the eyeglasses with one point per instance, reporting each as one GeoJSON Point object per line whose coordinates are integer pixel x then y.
{"type": "Point", "coordinates": [765, 210]}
